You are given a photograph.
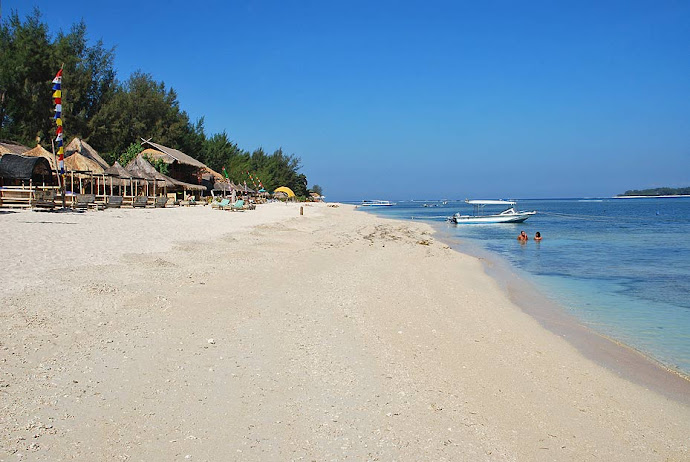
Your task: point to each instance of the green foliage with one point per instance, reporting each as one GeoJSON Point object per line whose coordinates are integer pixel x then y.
{"type": "Point", "coordinates": [29, 60]}
{"type": "Point", "coordinates": [317, 189]}
{"type": "Point", "coordinates": [130, 153]}
{"type": "Point", "coordinates": [110, 114]}
{"type": "Point", "coordinates": [158, 164]}
{"type": "Point", "coordinates": [142, 107]}
{"type": "Point", "coordinates": [26, 69]}
{"type": "Point", "coordinates": [658, 192]}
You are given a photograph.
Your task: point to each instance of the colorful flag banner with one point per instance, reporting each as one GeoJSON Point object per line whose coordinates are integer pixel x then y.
{"type": "Point", "coordinates": [251, 178]}
{"type": "Point", "coordinates": [57, 99]}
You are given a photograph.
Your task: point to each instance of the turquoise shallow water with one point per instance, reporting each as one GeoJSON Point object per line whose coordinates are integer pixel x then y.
{"type": "Point", "coordinates": [621, 266]}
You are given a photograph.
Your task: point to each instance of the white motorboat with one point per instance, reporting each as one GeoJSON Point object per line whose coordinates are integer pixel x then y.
{"type": "Point", "coordinates": [377, 203]}
{"type": "Point", "coordinates": [509, 215]}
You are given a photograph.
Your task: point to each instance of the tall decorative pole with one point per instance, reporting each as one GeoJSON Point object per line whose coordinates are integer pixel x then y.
{"type": "Point", "coordinates": [57, 99]}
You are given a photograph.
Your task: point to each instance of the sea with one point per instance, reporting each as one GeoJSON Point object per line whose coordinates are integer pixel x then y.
{"type": "Point", "coordinates": [619, 266]}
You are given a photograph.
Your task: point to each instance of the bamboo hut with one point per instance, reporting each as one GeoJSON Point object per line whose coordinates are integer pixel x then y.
{"type": "Point", "coordinates": [26, 181]}
{"type": "Point", "coordinates": [79, 162]}
{"type": "Point", "coordinates": [142, 168]}
{"type": "Point", "coordinates": [210, 179]}
{"type": "Point", "coordinates": [38, 151]}
{"type": "Point", "coordinates": [80, 146]}
{"type": "Point", "coordinates": [118, 177]}
{"type": "Point", "coordinates": [152, 179]}
{"type": "Point", "coordinates": [17, 168]}
{"type": "Point", "coordinates": [84, 172]}
{"type": "Point", "coordinates": [181, 167]}
{"type": "Point", "coordinates": [8, 147]}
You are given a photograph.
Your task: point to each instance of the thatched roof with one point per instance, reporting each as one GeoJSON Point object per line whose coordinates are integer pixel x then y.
{"type": "Point", "coordinates": [169, 155]}
{"type": "Point", "coordinates": [222, 186]}
{"type": "Point", "coordinates": [8, 147]}
{"type": "Point", "coordinates": [17, 167]}
{"type": "Point", "coordinates": [140, 167]}
{"type": "Point", "coordinates": [213, 174]}
{"type": "Point", "coordinates": [119, 171]}
{"type": "Point", "coordinates": [121, 176]}
{"type": "Point", "coordinates": [82, 163]}
{"type": "Point", "coordinates": [82, 147]}
{"type": "Point", "coordinates": [38, 151]}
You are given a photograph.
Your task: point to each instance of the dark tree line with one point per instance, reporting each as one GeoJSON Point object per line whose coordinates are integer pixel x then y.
{"type": "Point", "coordinates": [108, 113]}
{"type": "Point", "coordinates": [658, 192]}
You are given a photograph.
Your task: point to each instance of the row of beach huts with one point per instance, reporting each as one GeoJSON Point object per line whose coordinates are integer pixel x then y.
{"type": "Point", "coordinates": [29, 179]}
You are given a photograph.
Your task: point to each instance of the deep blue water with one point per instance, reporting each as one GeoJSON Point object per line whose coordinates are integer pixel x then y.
{"type": "Point", "coordinates": [621, 266]}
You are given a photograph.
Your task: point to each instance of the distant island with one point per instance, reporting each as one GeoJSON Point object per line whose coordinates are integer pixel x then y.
{"type": "Point", "coordinates": [657, 192]}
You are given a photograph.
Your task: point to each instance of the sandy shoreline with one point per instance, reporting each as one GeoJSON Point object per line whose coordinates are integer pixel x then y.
{"type": "Point", "coordinates": [626, 361]}
{"type": "Point", "coordinates": [195, 334]}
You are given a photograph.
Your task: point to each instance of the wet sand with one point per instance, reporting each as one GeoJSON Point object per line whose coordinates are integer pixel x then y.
{"type": "Point", "coordinates": [618, 357]}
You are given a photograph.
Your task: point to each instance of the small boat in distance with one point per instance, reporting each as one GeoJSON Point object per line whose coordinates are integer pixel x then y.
{"type": "Point", "coordinates": [509, 215]}
{"type": "Point", "coordinates": [377, 203]}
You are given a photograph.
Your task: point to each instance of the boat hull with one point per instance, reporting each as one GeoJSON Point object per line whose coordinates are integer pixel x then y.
{"type": "Point", "coordinates": [490, 219]}
{"type": "Point", "coordinates": [376, 203]}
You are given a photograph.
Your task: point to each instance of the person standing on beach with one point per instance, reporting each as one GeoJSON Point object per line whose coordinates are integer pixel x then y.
{"type": "Point", "coordinates": [522, 237]}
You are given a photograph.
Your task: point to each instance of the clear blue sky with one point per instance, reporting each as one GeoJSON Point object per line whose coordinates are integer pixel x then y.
{"type": "Point", "coordinates": [423, 99]}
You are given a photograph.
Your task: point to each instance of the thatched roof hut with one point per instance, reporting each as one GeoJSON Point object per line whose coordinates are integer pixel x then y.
{"type": "Point", "coordinates": [79, 162]}
{"type": "Point", "coordinates": [38, 151]}
{"type": "Point", "coordinates": [80, 146]}
{"type": "Point", "coordinates": [181, 167]}
{"type": "Point", "coordinates": [17, 167]}
{"type": "Point", "coordinates": [142, 168]}
{"type": "Point", "coordinates": [120, 176]}
{"type": "Point", "coordinates": [8, 147]}
{"type": "Point", "coordinates": [169, 155]}
{"type": "Point", "coordinates": [118, 171]}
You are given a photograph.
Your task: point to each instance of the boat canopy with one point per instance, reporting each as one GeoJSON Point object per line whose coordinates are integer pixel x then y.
{"type": "Point", "coordinates": [490, 202]}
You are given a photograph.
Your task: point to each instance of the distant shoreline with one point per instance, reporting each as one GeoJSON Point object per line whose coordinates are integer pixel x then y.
{"type": "Point", "coordinates": [651, 196]}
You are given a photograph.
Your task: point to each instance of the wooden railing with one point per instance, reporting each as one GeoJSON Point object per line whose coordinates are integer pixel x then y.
{"type": "Point", "coordinates": [28, 196]}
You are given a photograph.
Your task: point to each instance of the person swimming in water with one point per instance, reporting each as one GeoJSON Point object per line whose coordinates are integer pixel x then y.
{"type": "Point", "coordinates": [522, 237]}
{"type": "Point", "coordinates": [537, 237]}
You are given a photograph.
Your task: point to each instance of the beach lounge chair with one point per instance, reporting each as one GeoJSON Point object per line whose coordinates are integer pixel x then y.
{"type": "Point", "coordinates": [140, 201]}
{"type": "Point", "coordinates": [222, 205]}
{"type": "Point", "coordinates": [172, 199]}
{"type": "Point", "coordinates": [160, 201]}
{"type": "Point", "coordinates": [86, 201]}
{"type": "Point", "coordinates": [237, 206]}
{"type": "Point", "coordinates": [114, 202]}
{"type": "Point", "coordinates": [44, 199]}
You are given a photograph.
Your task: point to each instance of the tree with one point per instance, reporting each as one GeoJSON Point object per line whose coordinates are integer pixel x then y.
{"type": "Point", "coordinates": [317, 189]}
{"type": "Point", "coordinates": [144, 108]}
{"type": "Point", "coordinates": [28, 62]}
{"type": "Point", "coordinates": [132, 151]}
{"type": "Point", "coordinates": [112, 115]}
{"type": "Point", "coordinates": [88, 78]}
{"type": "Point", "coordinates": [25, 74]}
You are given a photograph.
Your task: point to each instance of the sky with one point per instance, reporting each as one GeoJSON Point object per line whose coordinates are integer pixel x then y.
{"type": "Point", "coordinates": [423, 99]}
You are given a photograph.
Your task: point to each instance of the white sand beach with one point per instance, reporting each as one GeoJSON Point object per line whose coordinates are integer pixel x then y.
{"type": "Point", "coordinates": [206, 335]}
